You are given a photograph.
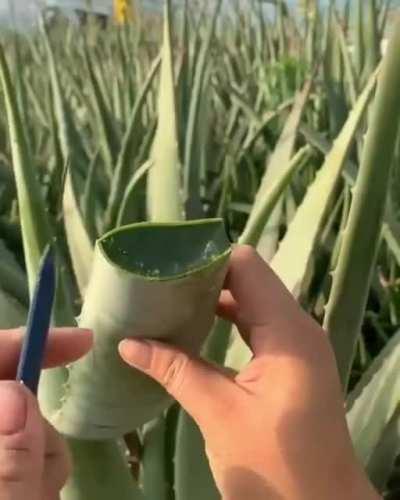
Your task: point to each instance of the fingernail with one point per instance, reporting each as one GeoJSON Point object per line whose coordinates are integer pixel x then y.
{"type": "Point", "coordinates": [136, 353]}
{"type": "Point", "coordinates": [13, 408]}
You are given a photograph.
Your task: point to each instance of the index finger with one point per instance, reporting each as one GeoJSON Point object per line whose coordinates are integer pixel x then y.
{"type": "Point", "coordinates": [64, 346]}
{"type": "Point", "coordinates": [256, 298]}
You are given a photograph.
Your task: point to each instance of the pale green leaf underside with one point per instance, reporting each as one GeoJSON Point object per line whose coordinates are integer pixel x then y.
{"type": "Point", "coordinates": [147, 279]}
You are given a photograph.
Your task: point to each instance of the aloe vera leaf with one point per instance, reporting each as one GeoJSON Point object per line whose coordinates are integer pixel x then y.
{"type": "Point", "coordinates": [104, 120]}
{"type": "Point", "coordinates": [382, 461]}
{"type": "Point", "coordinates": [12, 277]}
{"type": "Point", "coordinates": [371, 38]}
{"type": "Point", "coordinates": [352, 277]}
{"type": "Point", "coordinates": [189, 457]}
{"type": "Point", "coordinates": [36, 231]}
{"type": "Point", "coordinates": [267, 240]}
{"type": "Point", "coordinates": [384, 10]}
{"type": "Point", "coordinates": [262, 124]}
{"type": "Point", "coordinates": [20, 90]}
{"type": "Point", "coordinates": [164, 201]}
{"type": "Point", "coordinates": [130, 144]}
{"type": "Point", "coordinates": [153, 461]}
{"type": "Point", "coordinates": [71, 146]}
{"type": "Point", "coordinates": [333, 74]}
{"type": "Point", "coordinates": [303, 232]}
{"type": "Point", "coordinates": [268, 198]}
{"type": "Point", "coordinates": [79, 243]}
{"type": "Point", "coordinates": [350, 76]}
{"type": "Point", "coordinates": [190, 172]}
{"type": "Point", "coordinates": [103, 80]}
{"type": "Point", "coordinates": [237, 97]}
{"type": "Point", "coordinates": [190, 271]}
{"type": "Point", "coordinates": [57, 173]}
{"type": "Point", "coordinates": [36, 234]}
{"type": "Point", "coordinates": [184, 83]}
{"type": "Point", "coordinates": [131, 195]}
{"type": "Point", "coordinates": [324, 146]}
{"type": "Point", "coordinates": [374, 400]}
{"type": "Point", "coordinates": [117, 100]}
{"type": "Point", "coordinates": [12, 313]}
{"type": "Point", "coordinates": [100, 472]}
{"type": "Point", "coordinates": [36, 104]}
{"type": "Point", "coordinates": [90, 198]}
{"type": "Point", "coordinates": [391, 234]}
{"type": "Point", "coordinates": [282, 37]}
{"type": "Point", "coordinates": [359, 48]}
{"type": "Point", "coordinates": [6, 175]}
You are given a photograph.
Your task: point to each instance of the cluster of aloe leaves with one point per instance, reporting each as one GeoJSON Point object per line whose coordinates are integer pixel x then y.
{"type": "Point", "coordinates": [135, 149]}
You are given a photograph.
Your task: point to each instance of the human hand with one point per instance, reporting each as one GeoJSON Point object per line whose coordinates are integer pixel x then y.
{"type": "Point", "coordinates": [34, 462]}
{"type": "Point", "coordinates": [277, 430]}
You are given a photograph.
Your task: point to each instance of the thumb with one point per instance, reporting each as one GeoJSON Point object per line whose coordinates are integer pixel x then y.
{"type": "Point", "coordinates": [205, 392]}
{"type": "Point", "coordinates": [21, 444]}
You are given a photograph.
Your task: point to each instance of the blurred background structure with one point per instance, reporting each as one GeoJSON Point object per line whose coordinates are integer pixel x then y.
{"type": "Point", "coordinates": [23, 13]}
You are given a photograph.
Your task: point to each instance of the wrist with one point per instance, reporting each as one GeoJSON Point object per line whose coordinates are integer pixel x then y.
{"type": "Point", "coordinates": [352, 485]}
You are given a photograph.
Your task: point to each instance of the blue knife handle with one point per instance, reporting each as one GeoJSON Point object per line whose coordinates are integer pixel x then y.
{"type": "Point", "coordinates": [39, 319]}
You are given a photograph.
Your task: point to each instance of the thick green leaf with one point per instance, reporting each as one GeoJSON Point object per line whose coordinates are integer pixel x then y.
{"type": "Point", "coordinates": [352, 277]}
{"type": "Point", "coordinates": [191, 179]}
{"type": "Point", "coordinates": [302, 234]}
{"type": "Point", "coordinates": [154, 466]}
{"type": "Point", "coordinates": [382, 461]}
{"type": "Point", "coordinates": [164, 200]}
{"type": "Point", "coordinates": [104, 120]}
{"type": "Point", "coordinates": [12, 278]}
{"type": "Point", "coordinates": [374, 401]}
{"type": "Point", "coordinates": [129, 204]}
{"type": "Point", "coordinates": [129, 149]}
{"type": "Point", "coordinates": [36, 231]}
{"type": "Point", "coordinates": [12, 313]}
{"type": "Point", "coordinates": [79, 243]}
{"type": "Point", "coordinates": [267, 241]}
{"type": "Point", "coordinates": [189, 271]}
{"type": "Point", "coordinates": [193, 478]}
{"type": "Point", "coordinates": [100, 473]}
{"type": "Point", "coordinates": [268, 198]}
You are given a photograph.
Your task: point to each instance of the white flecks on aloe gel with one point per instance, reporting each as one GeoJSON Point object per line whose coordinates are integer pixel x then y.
{"type": "Point", "coordinates": [210, 250]}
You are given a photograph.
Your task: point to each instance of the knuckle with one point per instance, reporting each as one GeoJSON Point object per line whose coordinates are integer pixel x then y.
{"type": "Point", "coordinates": [57, 459]}
{"type": "Point", "coordinates": [13, 463]}
{"type": "Point", "coordinates": [174, 373]}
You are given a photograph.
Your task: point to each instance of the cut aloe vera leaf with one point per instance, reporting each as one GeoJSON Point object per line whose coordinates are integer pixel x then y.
{"type": "Point", "coordinates": [148, 281]}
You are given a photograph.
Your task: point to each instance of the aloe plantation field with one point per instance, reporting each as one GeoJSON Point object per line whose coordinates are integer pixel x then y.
{"type": "Point", "coordinates": [141, 152]}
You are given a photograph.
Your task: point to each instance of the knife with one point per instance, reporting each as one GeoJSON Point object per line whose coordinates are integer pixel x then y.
{"type": "Point", "coordinates": [39, 318]}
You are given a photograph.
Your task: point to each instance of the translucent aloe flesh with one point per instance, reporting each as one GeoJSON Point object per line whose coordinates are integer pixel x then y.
{"type": "Point", "coordinates": [148, 280]}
